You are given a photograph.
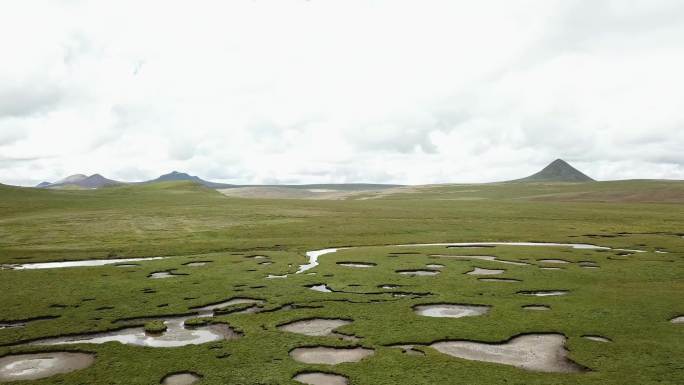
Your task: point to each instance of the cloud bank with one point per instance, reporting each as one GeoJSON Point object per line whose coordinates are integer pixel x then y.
{"type": "Point", "coordinates": [341, 91]}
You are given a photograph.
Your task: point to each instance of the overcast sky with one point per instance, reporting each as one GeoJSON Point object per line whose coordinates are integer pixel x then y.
{"type": "Point", "coordinates": [340, 91]}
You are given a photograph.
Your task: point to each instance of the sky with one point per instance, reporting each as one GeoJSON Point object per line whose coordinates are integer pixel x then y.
{"type": "Point", "coordinates": [329, 91]}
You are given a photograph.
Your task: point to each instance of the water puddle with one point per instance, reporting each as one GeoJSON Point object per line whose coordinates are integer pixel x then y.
{"type": "Point", "coordinates": [323, 288]}
{"type": "Point", "coordinates": [40, 365]}
{"type": "Point", "coordinates": [320, 378]}
{"type": "Point", "coordinates": [434, 266]}
{"type": "Point", "coordinates": [509, 280]}
{"type": "Point", "coordinates": [196, 264]}
{"type": "Point", "coordinates": [678, 320]}
{"type": "Point", "coordinates": [164, 275]}
{"type": "Point", "coordinates": [536, 307]}
{"type": "Point", "coordinates": [535, 352]}
{"type": "Point", "coordinates": [550, 268]}
{"type": "Point", "coordinates": [7, 325]}
{"type": "Point", "coordinates": [175, 335]}
{"type": "Point", "coordinates": [84, 263]}
{"type": "Point", "coordinates": [553, 261]}
{"type": "Point", "coordinates": [418, 272]}
{"type": "Point", "coordinates": [490, 258]}
{"type": "Point", "coordinates": [315, 327]}
{"type": "Point", "coordinates": [184, 378]}
{"type": "Point", "coordinates": [450, 310]}
{"type": "Point", "coordinates": [273, 276]}
{"type": "Point", "coordinates": [596, 338]}
{"type": "Point", "coordinates": [544, 293]}
{"type": "Point", "coordinates": [389, 286]}
{"type": "Point", "coordinates": [588, 264]}
{"type": "Point", "coordinates": [357, 264]}
{"type": "Point", "coordinates": [480, 271]}
{"type": "Point", "coordinates": [329, 355]}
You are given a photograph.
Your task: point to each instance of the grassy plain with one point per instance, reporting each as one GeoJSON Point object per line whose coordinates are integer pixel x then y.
{"type": "Point", "coordinates": [629, 299]}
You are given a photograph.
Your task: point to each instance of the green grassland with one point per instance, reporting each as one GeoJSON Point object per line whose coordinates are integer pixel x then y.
{"type": "Point", "coordinates": [629, 299]}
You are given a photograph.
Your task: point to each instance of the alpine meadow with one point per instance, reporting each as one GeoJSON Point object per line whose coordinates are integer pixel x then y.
{"type": "Point", "coordinates": [365, 192]}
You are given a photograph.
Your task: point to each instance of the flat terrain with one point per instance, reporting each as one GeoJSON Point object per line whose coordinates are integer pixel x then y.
{"type": "Point", "coordinates": [235, 243]}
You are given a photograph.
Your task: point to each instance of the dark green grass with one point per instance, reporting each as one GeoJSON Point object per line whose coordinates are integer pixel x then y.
{"type": "Point", "coordinates": [628, 299]}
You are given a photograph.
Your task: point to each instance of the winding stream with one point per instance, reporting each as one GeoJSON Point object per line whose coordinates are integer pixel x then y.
{"type": "Point", "coordinates": [314, 255]}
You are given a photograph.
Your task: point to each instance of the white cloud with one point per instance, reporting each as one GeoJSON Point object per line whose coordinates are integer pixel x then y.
{"type": "Point", "coordinates": [327, 91]}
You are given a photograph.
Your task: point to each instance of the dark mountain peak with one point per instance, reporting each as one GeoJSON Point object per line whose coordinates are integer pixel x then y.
{"type": "Point", "coordinates": [43, 184]}
{"type": "Point", "coordinates": [557, 171]}
{"type": "Point", "coordinates": [176, 175]}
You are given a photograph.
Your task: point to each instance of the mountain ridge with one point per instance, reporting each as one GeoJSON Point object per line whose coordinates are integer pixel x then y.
{"type": "Point", "coordinates": [176, 175]}
{"type": "Point", "coordinates": [81, 180]}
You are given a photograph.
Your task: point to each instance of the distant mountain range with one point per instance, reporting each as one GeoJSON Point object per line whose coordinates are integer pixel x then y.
{"type": "Point", "coordinates": [557, 171]}
{"type": "Point", "coordinates": [98, 181]}
{"type": "Point", "coordinates": [81, 181]}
